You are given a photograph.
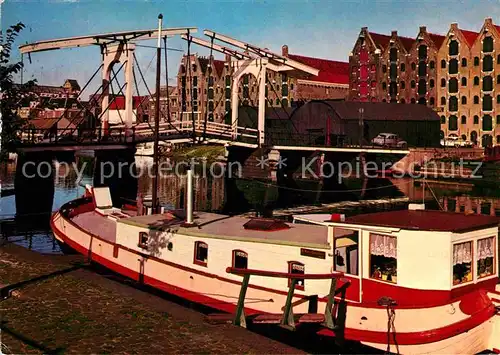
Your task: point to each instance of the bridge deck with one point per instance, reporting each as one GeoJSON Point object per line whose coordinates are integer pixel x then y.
{"type": "Point", "coordinates": [121, 137]}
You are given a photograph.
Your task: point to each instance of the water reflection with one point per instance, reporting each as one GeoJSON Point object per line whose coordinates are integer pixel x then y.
{"type": "Point", "coordinates": [239, 195]}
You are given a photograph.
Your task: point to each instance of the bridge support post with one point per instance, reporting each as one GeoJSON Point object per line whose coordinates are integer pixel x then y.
{"type": "Point", "coordinates": [121, 53]}
{"type": "Point", "coordinates": [34, 188]}
{"type": "Point", "coordinates": [256, 67]}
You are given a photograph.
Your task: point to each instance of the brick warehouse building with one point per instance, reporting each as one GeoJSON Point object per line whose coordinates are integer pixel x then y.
{"type": "Point", "coordinates": [469, 78]}
{"type": "Point", "coordinates": [209, 95]}
{"type": "Point", "coordinates": [394, 68]}
{"type": "Point", "coordinates": [458, 75]}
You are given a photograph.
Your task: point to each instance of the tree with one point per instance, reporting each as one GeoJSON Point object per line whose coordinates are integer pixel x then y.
{"type": "Point", "coordinates": [12, 95]}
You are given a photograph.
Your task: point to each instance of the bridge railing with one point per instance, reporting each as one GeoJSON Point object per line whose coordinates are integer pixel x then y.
{"type": "Point", "coordinates": [32, 136]}
{"type": "Point", "coordinates": [313, 139]}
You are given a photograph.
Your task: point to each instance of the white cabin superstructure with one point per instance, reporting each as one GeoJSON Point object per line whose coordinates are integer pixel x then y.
{"type": "Point", "coordinates": [437, 271]}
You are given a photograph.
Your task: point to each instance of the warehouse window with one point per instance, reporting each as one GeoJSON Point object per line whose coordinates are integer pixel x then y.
{"type": "Point", "coordinates": [403, 67]}
{"type": "Point", "coordinates": [487, 63]}
{"type": "Point", "coordinates": [463, 120]}
{"type": "Point", "coordinates": [464, 81]}
{"type": "Point", "coordinates": [476, 80]}
{"type": "Point", "coordinates": [487, 103]}
{"type": "Point", "coordinates": [464, 100]}
{"type": "Point", "coordinates": [476, 100]}
{"type": "Point", "coordinates": [453, 104]}
{"type": "Point", "coordinates": [431, 83]}
{"type": "Point", "coordinates": [432, 65]}
{"type": "Point", "coordinates": [453, 66]}
{"type": "Point", "coordinates": [431, 101]}
{"type": "Point", "coordinates": [487, 123]}
{"type": "Point", "coordinates": [464, 62]}
{"type": "Point", "coordinates": [453, 85]}
{"type": "Point", "coordinates": [453, 47]}
{"type": "Point", "coordinates": [443, 100]}
{"type": "Point", "coordinates": [476, 61]}
{"type": "Point", "coordinates": [422, 52]}
{"type": "Point", "coordinates": [443, 83]}
{"type": "Point", "coordinates": [476, 119]}
{"type": "Point", "coordinates": [453, 123]}
{"type": "Point", "coordinates": [488, 44]}
{"type": "Point", "coordinates": [443, 64]}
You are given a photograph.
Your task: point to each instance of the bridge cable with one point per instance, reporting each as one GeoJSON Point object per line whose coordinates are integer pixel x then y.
{"type": "Point", "coordinates": [79, 94]}
{"type": "Point", "coordinates": [145, 97]}
{"type": "Point", "coordinates": [149, 91]}
{"type": "Point", "coordinates": [210, 80]}
{"type": "Point", "coordinates": [114, 96]}
{"type": "Point", "coordinates": [191, 89]}
{"type": "Point", "coordinates": [282, 106]}
{"type": "Point", "coordinates": [166, 78]}
{"type": "Point", "coordinates": [95, 93]}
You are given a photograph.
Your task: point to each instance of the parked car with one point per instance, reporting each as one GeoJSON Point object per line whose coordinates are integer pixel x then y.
{"type": "Point", "coordinates": [455, 141]}
{"type": "Point", "coordinates": [389, 140]}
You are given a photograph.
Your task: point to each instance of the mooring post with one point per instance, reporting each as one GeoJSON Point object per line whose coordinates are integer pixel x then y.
{"type": "Point", "coordinates": [287, 321]}
{"type": "Point", "coordinates": [239, 318]}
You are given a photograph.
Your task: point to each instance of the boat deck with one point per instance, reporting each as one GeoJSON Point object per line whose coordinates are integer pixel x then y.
{"type": "Point", "coordinates": [97, 224]}
{"type": "Point", "coordinates": [219, 226]}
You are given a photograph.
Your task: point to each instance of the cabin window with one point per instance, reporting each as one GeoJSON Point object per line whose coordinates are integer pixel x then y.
{"type": "Point", "coordinates": [383, 257]}
{"type": "Point", "coordinates": [485, 257]}
{"type": "Point", "coordinates": [143, 240]}
{"type": "Point", "coordinates": [295, 267]}
{"type": "Point", "coordinates": [201, 253]}
{"type": "Point", "coordinates": [345, 257]}
{"type": "Point", "coordinates": [462, 263]}
{"type": "Point", "coordinates": [240, 259]}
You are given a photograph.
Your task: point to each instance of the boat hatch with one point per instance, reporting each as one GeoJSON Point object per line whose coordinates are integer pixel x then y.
{"type": "Point", "coordinates": [265, 224]}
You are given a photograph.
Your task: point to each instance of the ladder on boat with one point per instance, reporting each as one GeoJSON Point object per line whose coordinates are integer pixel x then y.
{"type": "Point", "coordinates": [333, 318]}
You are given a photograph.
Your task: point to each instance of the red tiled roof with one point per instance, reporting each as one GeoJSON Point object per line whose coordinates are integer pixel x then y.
{"type": "Point", "coordinates": [437, 39]}
{"type": "Point", "coordinates": [426, 220]}
{"type": "Point", "coordinates": [381, 41]}
{"type": "Point", "coordinates": [119, 102]}
{"type": "Point", "coordinates": [497, 28]}
{"type": "Point", "coordinates": [330, 71]}
{"type": "Point", "coordinates": [470, 36]}
{"type": "Point", "coordinates": [219, 66]}
{"type": "Point", "coordinates": [407, 42]}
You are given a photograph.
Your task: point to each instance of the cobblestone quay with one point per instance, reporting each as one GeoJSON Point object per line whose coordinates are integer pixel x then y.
{"type": "Point", "coordinates": [85, 312]}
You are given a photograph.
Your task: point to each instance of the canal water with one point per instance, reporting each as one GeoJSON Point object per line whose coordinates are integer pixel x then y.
{"type": "Point", "coordinates": [240, 195]}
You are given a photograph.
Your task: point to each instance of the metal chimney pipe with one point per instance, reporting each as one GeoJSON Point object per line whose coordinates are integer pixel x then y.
{"type": "Point", "coordinates": [189, 207]}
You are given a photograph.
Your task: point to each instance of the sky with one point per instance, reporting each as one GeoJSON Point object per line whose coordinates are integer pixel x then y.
{"type": "Point", "coordinates": [317, 28]}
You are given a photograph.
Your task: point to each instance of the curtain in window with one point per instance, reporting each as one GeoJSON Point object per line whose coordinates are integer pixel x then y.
{"type": "Point", "coordinates": [383, 245]}
{"type": "Point", "coordinates": [485, 248]}
{"type": "Point", "coordinates": [462, 253]}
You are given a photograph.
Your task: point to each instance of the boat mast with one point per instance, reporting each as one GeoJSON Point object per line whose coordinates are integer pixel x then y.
{"type": "Point", "coordinates": [157, 118]}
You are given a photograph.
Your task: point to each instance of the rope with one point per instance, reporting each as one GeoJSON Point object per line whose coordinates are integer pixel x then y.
{"type": "Point", "coordinates": [391, 328]}
{"type": "Point", "coordinates": [324, 191]}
